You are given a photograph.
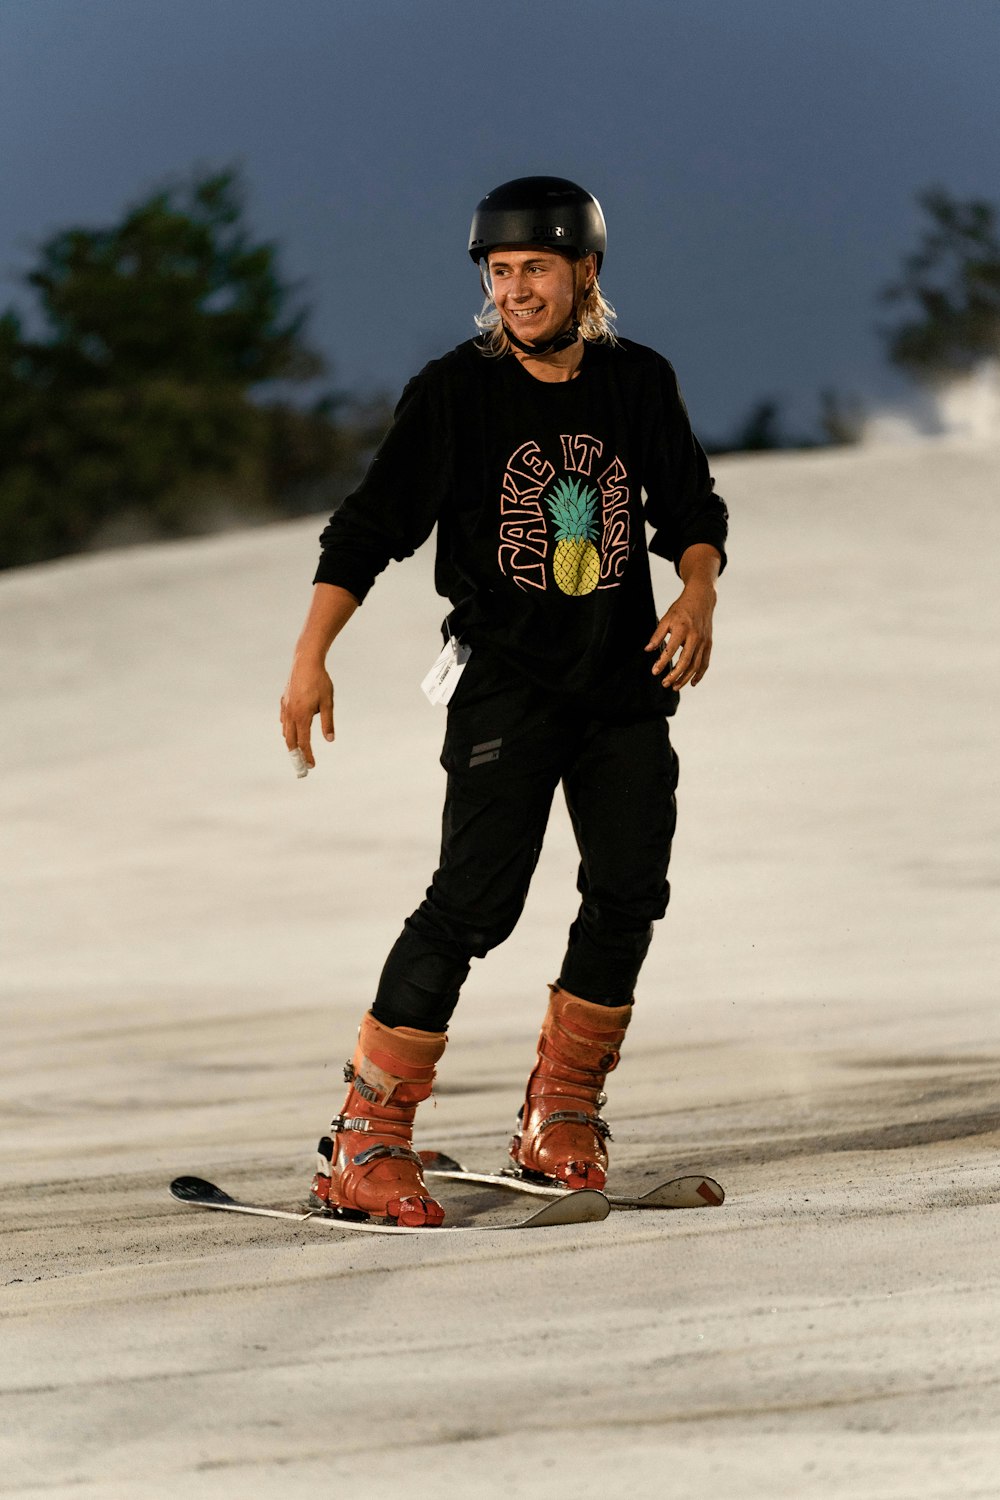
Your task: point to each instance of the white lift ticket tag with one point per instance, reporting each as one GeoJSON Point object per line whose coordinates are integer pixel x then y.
{"type": "Point", "coordinates": [442, 679]}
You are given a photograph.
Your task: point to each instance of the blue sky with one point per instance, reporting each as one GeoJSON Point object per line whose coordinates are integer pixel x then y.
{"type": "Point", "coordinates": [757, 159]}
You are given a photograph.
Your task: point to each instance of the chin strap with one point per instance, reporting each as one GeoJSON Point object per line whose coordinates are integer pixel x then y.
{"type": "Point", "coordinates": [563, 340]}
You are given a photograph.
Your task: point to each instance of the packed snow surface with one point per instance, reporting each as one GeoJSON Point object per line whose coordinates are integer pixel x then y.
{"type": "Point", "coordinates": [191, 933]}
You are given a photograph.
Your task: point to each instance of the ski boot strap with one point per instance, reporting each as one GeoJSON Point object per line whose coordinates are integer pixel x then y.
{"type": "Point", "coordinates": [353, 1122]}
{"type": "Point", "coordinates": [374, 1153]}
{"type": "Point", "coordinates": [578, 1117]}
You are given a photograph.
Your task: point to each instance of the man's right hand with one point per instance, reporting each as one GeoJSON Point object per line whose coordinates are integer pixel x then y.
{"type": "Point", "coordinates": [309, 692]}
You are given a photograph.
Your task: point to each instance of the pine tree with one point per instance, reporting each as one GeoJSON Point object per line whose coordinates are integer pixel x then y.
{"type": "Point", "coordinates": [951, 289]}
{"type": "Point", "coordinates": [138, 398]}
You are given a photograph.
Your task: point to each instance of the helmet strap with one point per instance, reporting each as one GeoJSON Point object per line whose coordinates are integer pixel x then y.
{"type": "Point", "coordinates": [563, 340]}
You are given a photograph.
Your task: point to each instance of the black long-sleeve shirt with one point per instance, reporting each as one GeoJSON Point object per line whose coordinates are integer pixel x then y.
{"type": "Point", "coordinates": [537, 492]}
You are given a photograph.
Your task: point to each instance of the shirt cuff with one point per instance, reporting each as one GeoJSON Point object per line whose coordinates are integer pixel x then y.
{"type": "Point", "coordinates": [344, 574]}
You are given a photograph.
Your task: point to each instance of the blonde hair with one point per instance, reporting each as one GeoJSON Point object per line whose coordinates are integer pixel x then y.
{"type": "Point", "coordinates": [593, 312]}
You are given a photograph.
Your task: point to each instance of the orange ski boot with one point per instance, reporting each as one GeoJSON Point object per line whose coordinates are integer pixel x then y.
{"type": "Point", "coordinates": [561, 1134]}
{"type": "Point", "coordinates": [367, 1165]}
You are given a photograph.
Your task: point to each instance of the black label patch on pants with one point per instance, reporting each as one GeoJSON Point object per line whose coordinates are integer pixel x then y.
{"type": "Point", "coordinates": [488, 750]}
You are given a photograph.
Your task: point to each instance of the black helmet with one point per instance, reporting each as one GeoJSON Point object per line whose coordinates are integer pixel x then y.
{"type": "Point", "coordinates": [547, 211]}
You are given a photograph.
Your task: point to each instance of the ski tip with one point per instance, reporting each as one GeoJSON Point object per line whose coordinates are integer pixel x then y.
{"type": "Point", "coordinates": [586, 1206]}
{"type": "Point", "coordinates": [711, 1192]}
{"type": "Point", "coordinates": [197, 1190]}
{"type": "Point", "coordinates": [680, 1192]}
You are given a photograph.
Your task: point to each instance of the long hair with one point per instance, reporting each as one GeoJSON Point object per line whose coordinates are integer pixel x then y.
{"type": "Point", "coordinates": [594, 313]}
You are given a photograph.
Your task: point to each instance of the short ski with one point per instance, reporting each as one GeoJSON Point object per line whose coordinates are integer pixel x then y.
{"type": "Point", "coordinates": [583, 1207]}
{"type": "Point", "coordinates": [679, 1192]}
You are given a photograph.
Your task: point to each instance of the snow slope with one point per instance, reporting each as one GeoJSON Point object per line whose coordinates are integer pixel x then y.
{"type": "Point", "coordinates": [190, 935]}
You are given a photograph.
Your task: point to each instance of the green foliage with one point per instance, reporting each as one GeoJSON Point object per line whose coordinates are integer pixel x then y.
{"type": "Point", "coordinates": [951, 286]}
{"type": "Point", "coordinates": [177, 289]}
{"type": "Point", "coordinates": [137, 401]}
{"type": "Point", "coordinates": [573, 506]}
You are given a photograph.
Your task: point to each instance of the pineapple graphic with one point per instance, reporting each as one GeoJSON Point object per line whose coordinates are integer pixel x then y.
{"type": "Point", "coordinates": [577, 564]}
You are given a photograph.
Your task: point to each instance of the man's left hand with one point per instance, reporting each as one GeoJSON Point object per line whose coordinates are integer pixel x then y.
{"type": "Point", "coordinates": [685, 632]}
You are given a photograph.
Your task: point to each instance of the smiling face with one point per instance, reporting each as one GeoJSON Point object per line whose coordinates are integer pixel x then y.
{"type": "Point", "coordinates": [535, 290]}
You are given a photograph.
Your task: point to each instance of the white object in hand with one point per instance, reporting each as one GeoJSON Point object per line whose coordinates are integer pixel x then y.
{"type": "Point", "coordinates": [299, 762]}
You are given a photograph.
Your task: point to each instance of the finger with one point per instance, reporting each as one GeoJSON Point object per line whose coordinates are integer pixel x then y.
{"type": "Point", "coordinates": [685, 676]}
{"type": "Point", "coordinates": [688, 668]}
{"type": "Point", "coordinates": [685, 664]}
{"type": "Point", "coordinates": [670, 642]}
{"type": "Point", "coordinates": [288, 727]}
{"type": "Point", "coordinates": [703, 668]}
{"type": "Point", "coordinates": [663, 631]}
{"type": "Point", "coordinates": [691, 667]}
{"type": "Point", "coordinates": [303, 729]}
{"type": "Point", "coordinates": [326, 719]}
{"type": "Point", "coordinates": [670, 678]}
{"type": "Point", "coordinates": [676, 651]}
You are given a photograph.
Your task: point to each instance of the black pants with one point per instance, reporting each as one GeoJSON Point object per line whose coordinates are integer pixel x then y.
{"type": "Point", "coordinates": [507, 747]}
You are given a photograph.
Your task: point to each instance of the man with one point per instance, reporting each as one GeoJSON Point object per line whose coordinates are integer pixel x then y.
{"type": "Point", "coordinates": [540, 450]}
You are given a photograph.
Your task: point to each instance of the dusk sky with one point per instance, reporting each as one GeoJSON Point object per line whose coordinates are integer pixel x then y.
{"type": "Point", "coordinates": [757, 160]}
